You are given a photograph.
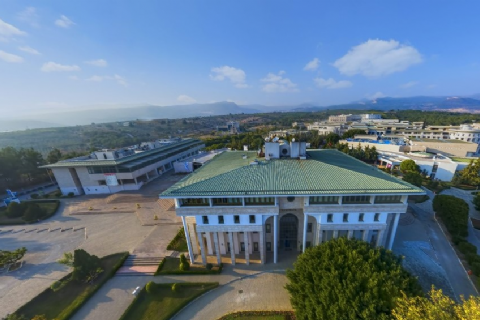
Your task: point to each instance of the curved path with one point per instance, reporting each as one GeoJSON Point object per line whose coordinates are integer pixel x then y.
{"type": "Point", "coordinates": [264, 291]}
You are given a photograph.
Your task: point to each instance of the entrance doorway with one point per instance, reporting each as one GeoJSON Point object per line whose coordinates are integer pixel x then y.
{"type": "Point", "coordinates": [288, 232]}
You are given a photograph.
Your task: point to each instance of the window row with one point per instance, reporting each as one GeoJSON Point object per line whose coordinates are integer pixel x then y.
{"type": "Point", "coordinates": [361, 217]}
{"type": "Point", "coordinates": [236, 219]}
{"type": "Point", "coordinates": [255, 201]}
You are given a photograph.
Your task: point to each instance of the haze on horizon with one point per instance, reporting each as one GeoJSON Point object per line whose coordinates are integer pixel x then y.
{"type": "Point", "coordinates": [60, 56]}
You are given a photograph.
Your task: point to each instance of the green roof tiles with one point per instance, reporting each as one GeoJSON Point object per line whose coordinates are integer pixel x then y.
{"type": "Point", "coordinates": [324, 172]}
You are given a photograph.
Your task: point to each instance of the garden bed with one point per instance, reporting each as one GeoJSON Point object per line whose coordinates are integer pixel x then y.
{"type": "Point", "coordinates": [171, 265]}
{"type": "Point", "coordinates": [178, 243]}
{"type": "Point", "coordinates": [163, 303]}
{"type": "Point", "coordinates": [63, 303]}
{"type": "Point", "coordinates": [49, 208]}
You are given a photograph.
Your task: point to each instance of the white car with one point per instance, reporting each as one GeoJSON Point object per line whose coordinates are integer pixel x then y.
{"type": "Point", "coordinates": [137, 289]}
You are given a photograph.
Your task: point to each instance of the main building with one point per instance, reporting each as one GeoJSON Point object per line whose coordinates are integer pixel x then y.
{"type": "Point", "coordinates": [239, 204]}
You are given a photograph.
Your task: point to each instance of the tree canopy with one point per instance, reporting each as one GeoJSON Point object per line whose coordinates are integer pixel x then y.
{"type": "Point", "coordinates": [10, 257]}
{"type": "Point", "coordinates": [85, 266]}
{"type": "Point", "coordinates": [348, 279]}
{"type": "Point", "coordinates": [436, 307]}
{"type": "Point", "coordinates": [409, 166]}
{"type": "Point", "coordinates": [470, 174]}
{"type": "Point", "coordinates": [352, 132]}
{"type": "Point", "coordinates": [454, 213]}
{"type": "Point", "coordinates": [414, 178]}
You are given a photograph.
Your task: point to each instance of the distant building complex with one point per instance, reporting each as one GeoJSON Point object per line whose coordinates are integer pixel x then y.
{"type": "Point", "coordinates": [109, 171]}
{"type": "Point", "coordinates": [243, 206]}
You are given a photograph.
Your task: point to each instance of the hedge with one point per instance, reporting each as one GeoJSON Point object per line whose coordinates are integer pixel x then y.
{"type": "Point", "coordinates": [186, 272]}
{"type": "Point", "coordinates": [46, 216]}
{"type": "Point", "coordinates": [288, 315]}
{"type": "Point", "coordinates": [454, 213]}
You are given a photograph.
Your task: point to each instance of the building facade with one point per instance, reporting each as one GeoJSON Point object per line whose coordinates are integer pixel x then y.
{"type": "Point", "coordinates": [239, 205]}
{"type": "Point", "coordinates": [110, 171]}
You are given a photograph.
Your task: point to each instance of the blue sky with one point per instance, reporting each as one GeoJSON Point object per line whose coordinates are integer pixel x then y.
{"type": "Point", "coordinates": [59, 55]}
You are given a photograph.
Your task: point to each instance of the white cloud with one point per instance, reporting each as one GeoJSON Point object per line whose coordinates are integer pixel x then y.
{"type": "Point", "coordinates": [28, 50]}
{"type": "Point", "coordinates": [11, 58]}
{"type": "Point", "coordinates": [183, 98]}
{"type": "Point", "coordinates": [64, 22]}
{"type": "Point", "coordinates": [312, 65]}
{"type": "Point", "coordinates": [120, 80]}
{"type": "Point", "coordinates": [73, 78]}
{"type": "Point", "coordinates": [30, 16]}
{"type": "Point", "coordinates": [409, 84]}
{"type": "Point", "coordinates": [56, 67]}
{"type": "Point", "coordinates": [236, 76]}
{"type": "Point", "coordinates": [376, 58]}
{"type": "Point", "coordinates": [97, 63]}
{"type": "Point", "coordinates": [7, 30]}
{"type": "Point", "coordinates": [277, 83]}
{"type": "Point", "coordinates": [331, 83]}
{"type": "Point", "coordinates": [376, 95]}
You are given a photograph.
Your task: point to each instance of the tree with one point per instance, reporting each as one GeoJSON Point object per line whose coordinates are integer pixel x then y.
{"type": "Point", "coordinates": [54, 156]}
{"type": "Point", "coordinates": [348, 279]}
{"type": "Point", "coordinates": [67, 259]}
{"type": "Point", "coordinates": [470, 174]}
{"type": "Point", "coordinates": [454, 213]}
{"type": "Point", "coordinates": [476, 201]}
{"type": "Point", "coordinates": [11, 257]}
{"type": "Point", "coordinates": [414, 178]}
{"type": "Point", "coordinates": [409, 166]}
{"type": "Point", "coordinates": [352, 132]}
{"type": "Point", "coordinates": [33, 212]}
{"type": "Point", "coordinates": [436, 306]}
{"type": "Point", "coordinates": [331, 139]}
{"type": "Point", "coordinates": [184, 264]}
{"type": "Point", "coordinates": [85, 266]}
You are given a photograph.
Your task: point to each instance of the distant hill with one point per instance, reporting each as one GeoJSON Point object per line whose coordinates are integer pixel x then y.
{"type": "Point", "coordinates": [14, 125]}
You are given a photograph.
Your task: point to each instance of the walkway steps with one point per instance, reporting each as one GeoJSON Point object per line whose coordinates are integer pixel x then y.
{"type": "Point", "coordinates": [139, 266]}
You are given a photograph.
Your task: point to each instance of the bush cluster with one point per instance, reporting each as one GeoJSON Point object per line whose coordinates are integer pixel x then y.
{"type": "Point", "coordinates": [28, 211]}
{"type": "Point", "coordinates": [184, 264]}
{"type": "Point", "coordinates": [454, 213]}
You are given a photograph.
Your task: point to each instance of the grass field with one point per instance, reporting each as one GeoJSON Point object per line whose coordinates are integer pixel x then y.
{"type": "Point", "coordinates": [63, 303]}
{"type": "Point", "coordinates": [164, 303]}
{"type": "Point", "coordinates": [178, 243]}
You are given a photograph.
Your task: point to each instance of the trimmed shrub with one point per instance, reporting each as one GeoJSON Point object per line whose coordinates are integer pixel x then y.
{"type": "Point", "coordinates": [209, 266]}
{"type": "Point", "coordinates": [174, 287]}
{"type": "Point", "coordinates": [14, 210]}
{"type": "Point", "coordinates": [466, 248]}
{"type": "Point", "coordinates": [454, 214]}
{"type": "Point", "coordinates": [184, 266]}
{"type": "Point", "coordinates": [33, 212]}
{"type": "Point", "coordinates": [151, 287]}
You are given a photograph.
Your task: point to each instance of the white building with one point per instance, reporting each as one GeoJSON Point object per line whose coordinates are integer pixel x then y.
{"type": "Point", "coordinates": [109, 171]}
{"type": "Point", "coordinates": [242, 207]}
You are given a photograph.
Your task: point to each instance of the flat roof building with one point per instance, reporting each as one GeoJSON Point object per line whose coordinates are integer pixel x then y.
{"type": "Point", "coordinates": [242, 206]}
{"type": "Point", "coordinates": [109, 171]}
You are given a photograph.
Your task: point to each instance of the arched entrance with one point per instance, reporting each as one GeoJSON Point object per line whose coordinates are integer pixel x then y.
{"type": "Point", "coordinates": [288, 232]}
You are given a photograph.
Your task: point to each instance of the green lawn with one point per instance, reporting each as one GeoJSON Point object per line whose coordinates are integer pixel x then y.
{"type": "Point", "coordinates": [49, 207]}
{"type": "Point", "coordinates": [63, 303]}
{"type": "Point", "coordinates": [457, 159]}
{"type": "Point", "coordinates": [171, 266]}
{"type": "Point", "coordinates": [178, 243]}
{"type": "Point", "coordinates": [260, 315]}
{"type": "Point", "coordinates": [164, 303]}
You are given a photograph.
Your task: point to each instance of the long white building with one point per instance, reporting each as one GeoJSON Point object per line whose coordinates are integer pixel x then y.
{"type": "Point", "coordinates": [239, 206]}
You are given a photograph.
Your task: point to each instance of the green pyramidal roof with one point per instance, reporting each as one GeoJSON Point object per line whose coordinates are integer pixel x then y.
{"type": "Point", "coordinates": [323, 172]}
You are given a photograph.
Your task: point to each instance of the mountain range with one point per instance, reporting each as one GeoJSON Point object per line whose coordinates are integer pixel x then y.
{"type": "Point", "coordinates": [470, 104]}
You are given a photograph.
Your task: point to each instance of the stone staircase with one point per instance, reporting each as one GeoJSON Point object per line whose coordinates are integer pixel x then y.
{"type": "Point", "coordinates": [139, 266]}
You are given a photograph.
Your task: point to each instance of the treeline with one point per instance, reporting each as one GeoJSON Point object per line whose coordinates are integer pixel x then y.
{"type": "Point", "coordinates": [433, 117]}
{"type": "Point", "coordinates": [254, 141]}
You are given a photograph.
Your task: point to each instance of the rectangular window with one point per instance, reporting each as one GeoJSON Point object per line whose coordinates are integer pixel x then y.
{"type": "Point", "coordinates": [360, 217]}
{"type": "Point", "coordinates": [268, 228]}
{"type": "Point", "coordinates": [345, 217]}
{"type": "Point", "coordinates": [236, 219]}
{"type": "Point", "coordinates": [220, 220]}
{"type": "Point", "coordinates": [377, 217]}
{"type": "Point", "coordinates": [205, 219]}
{"type": "Point", "coordinates": [323, 200]}
{"type": "Point", "coordinates": [252, 218]}
{"type": "Point", "coordinates": [388, 199]}
{"type": "Point", "coordinates": [330, 217]}
{"type": "Point", "coordinates": [242, 246]}
{"type": "Point", "coordinates": [194, 202]}
{"type": "Point", "coordinates": [227, 201]}
{"type": "Point", "coordinates": [309, 227]}
{"type": "Point", "coordinates": [269, 246]}
{"type": "Point", "coordinates": [355, 199]}
{"type": "Point", "coordinates": [260, 201]}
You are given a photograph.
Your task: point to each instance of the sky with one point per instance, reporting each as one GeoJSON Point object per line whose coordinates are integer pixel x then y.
{"type": "Point", "coordinates": [65, 55]}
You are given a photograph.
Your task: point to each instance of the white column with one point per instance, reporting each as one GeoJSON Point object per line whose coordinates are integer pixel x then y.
{"type": "Point", "coordinates": [335, 234]}
{"type": "Point", "coordinates": [319, 237]}
{"type": "Point", "coordinates": [350, 234]}
{"type": "Point", "coordinates": [262, 247]}
{"type": "Point", "coordinates": [209, 243]}
{"type": "Point", "coordinates": [394, 230]}
{"type": "Point", "coordinates": [217, 247]}
{"type": "Point", "coordinates": [247, 254]}
{"type": "Point", "coordinates": [275, 238]}
{"type": "Point", "coordinates": [379, 237]}
{"type": "Point", "coordinates": [232, 249]}
{"type": "Point", "coordinates": [365, 234]}
{"type": "Point", "coordinates": [202, 248]}
{"type": "Point", "coordinates": [148, 177]}
{"type": "Point", "coordinates": [305, 223]}
{"type": "Point", "coordinates": [187, 237]}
